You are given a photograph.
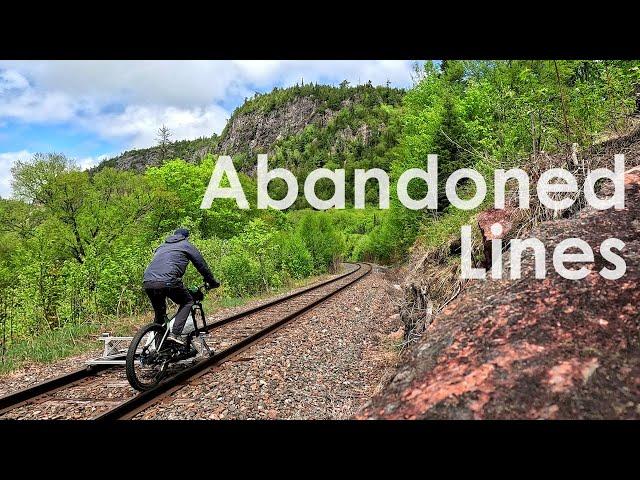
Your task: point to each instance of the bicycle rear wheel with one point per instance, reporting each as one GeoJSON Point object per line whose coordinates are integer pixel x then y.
{"type": "Point", "coordinates": [145, 365]}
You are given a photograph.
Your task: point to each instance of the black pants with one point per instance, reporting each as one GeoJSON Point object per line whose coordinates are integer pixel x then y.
{"type": "Point", "coordinates": [179, 294]}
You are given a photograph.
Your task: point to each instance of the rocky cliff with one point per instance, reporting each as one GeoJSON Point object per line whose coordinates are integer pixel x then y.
{"type": "Point", "coordinates": [269, 119]}
{"type": "Point", "coordinates": [189, 150]}
{"type": "Point", "coordinates": [257, 131]}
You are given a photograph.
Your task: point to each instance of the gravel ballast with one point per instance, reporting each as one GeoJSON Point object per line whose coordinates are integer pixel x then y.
{"type": "Point", "coordinates": [33, 373]}
{"type": "Point", "coordinates": [324, 365]}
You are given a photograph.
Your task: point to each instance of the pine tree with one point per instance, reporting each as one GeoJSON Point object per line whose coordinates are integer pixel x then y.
{"type": "Point", "coordinates": [164, 134]}
{"type": "Point", "coordinates": [448, 141]}
{"type": "Point", "coordinates": [452, 71]}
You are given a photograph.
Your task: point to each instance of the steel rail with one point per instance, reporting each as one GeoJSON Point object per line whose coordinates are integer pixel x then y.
{"type": "Point", "coordinates": [35, 392]}
{"type": "Point", "coordinates": [29, 394]}
{"type": "Point", "coordinates": [277, 301]}
{"type": "Point", "coordinates": [144, 400]}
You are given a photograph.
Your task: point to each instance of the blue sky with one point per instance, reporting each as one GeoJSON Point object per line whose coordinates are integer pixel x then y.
{"type": "Point", "coordinates": [91, 110]}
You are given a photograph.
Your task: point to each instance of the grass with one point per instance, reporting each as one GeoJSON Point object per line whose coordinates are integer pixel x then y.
{"type": "Point", "coordinates": [53, 345]}
{"type": "Point", "coordinates": [77, 338]}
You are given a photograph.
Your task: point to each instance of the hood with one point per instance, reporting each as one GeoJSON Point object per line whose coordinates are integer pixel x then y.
{"type": "Point", "coordinates": [175, 238]}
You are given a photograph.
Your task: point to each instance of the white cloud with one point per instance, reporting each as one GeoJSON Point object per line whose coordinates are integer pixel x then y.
{"type": "Point", "coordinates": [88, 162]}
{"type": "Point", "coordinates": [30, 106]}
{"type": "Point", "coordinates": [7, 160]}
{"type": "Point", "coordinates": [177, 83]}
{"type": "Point", "coordinates": [136, 125]}
{"type": "Point", "coordinates": [268, 72]}
{"type": "Point", "coordinates": [259, 70]}
{"type": "Point", "coordinates": [10, 80]}
{"type": "Point", "coordinates": [140, 123]}
{"type": "Point", "coordinates": [128, 100]}
{"type": "Point", "coordinates": [189, 83]}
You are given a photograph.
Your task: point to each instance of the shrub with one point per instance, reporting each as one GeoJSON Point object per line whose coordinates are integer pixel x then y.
{"type": "Point", "coordinates": [325, 244]}
{"type": "Point", "coordinates": [293, 257]}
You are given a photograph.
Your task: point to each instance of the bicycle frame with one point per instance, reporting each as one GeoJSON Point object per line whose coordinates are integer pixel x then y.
{"type": "Point", "coordinates": [195, 308]}
{"type": "Point", "coordinates": [154, 353]}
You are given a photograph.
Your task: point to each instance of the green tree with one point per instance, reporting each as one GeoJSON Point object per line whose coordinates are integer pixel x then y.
{"type": "Point", "coordinates": [32, 179]}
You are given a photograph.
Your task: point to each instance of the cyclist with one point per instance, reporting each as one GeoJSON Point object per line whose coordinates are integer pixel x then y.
{"type": "Point", "coordinates": [163, 278]}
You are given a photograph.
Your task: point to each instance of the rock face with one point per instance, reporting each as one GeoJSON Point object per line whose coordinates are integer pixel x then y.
{"type": "Point", "coordinates": [257, 131]}
{"type": "Point", "coordinates": [253, 129]}
{"type": "Point", "coordinates": [528, 348]}
{"type": "Point", "coordinates": [139, 160]}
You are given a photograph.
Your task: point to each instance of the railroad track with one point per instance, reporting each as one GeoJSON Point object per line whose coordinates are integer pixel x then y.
{"type": "Point", "coordinates": [102, 392]}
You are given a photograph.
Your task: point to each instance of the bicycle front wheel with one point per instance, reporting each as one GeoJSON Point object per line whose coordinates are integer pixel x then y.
{"type": "Point", "coordinates": [146, 364]}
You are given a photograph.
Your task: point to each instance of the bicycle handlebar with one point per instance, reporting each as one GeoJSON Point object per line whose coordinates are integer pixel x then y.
{"type": "Point", "coordinates": [205, 286]}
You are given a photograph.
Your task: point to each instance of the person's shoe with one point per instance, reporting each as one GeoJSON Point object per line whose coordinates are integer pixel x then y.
{"type": "Point", "coordinates": [201, 347]}
{"type": "Point", "coordinates": [179, 339]}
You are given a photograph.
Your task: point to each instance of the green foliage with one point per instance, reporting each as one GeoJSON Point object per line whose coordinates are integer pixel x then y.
{"type": "Point", "coordinates": [49, 346]}
{"type": "Point", "coordinates": [329, 97]}
{"type": "Point", "coordinates": [294, 257]}
{"type": "Point", "coordinates": [494, 114]}
{"type": "Point", "coordinates": [74, 244]}
{"type": "Point", "coordinates": [74, 250]}
{"type": "Point", "coordinates": [324, 242]}
{"type": "Point", "coordinates": [180, 187]}
{"type": "Point", "coordinates": [186, 149]}
{"type": "Point", "coordinates": [33, 180]}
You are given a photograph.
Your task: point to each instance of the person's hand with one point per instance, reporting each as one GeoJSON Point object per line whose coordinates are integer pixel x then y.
{"type": "Point", "coordinates": [210, 285]}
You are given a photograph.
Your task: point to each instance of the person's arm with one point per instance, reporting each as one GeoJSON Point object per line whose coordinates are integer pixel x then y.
{"type": "Point", "coordinates": [201, 265]}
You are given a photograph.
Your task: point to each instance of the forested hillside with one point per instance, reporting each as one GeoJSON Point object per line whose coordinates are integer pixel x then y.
{"type": "Point", "coordinates": [300, 128]}
{"type": "Point", "coordinates": [75, 243]}
{"type": "Point", "coordinates": [192, 151]}
{"type": "Point", "coordinates": [496, 114]}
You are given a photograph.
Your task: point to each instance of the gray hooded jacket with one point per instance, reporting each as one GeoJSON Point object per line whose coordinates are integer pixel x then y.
{"type": "Point", "coordinates": [170, 262]}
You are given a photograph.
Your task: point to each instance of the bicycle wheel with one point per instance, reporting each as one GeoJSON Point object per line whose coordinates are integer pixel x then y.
{"type": "Point", "coordinates": [145, 365]}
